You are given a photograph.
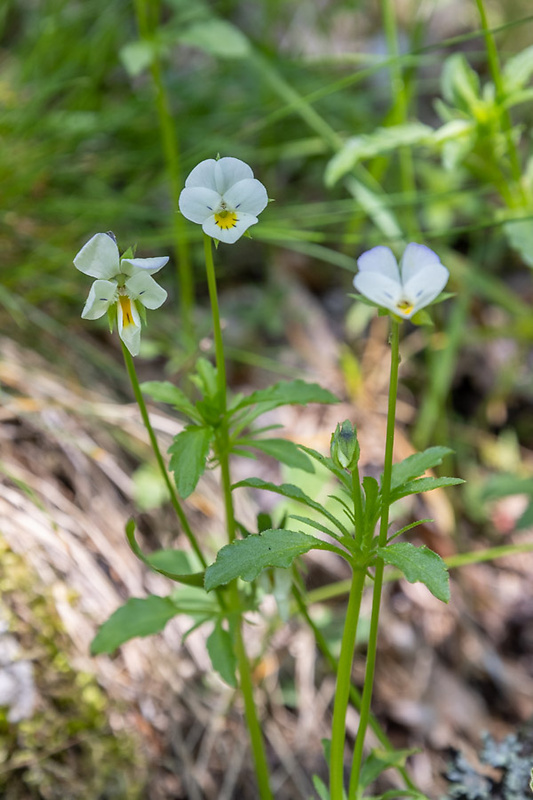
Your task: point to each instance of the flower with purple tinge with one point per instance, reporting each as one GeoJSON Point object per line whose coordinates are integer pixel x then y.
{"type": "Point", "coordinates": [223, 197]}
{"type": "Point", "coordinates": [122, 282]}
{"type": "Point", "coordinates": [403, 289]}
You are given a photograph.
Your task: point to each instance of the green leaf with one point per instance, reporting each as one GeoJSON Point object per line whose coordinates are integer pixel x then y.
{"type": "Point", "coordinates": [140, 616]}
{"type": "Point", "coordinates": [136, 57]}
{"type": "Point", "coordinates": [519, 234]}
{"type": "Point", "coordinates": [423, 485]}
{"type": "Point", "coordinates": [189, 455]}
{"type": "Point", "coordinates": [222, 654]}
{"type": "Point", "coordinates": [460, 84]}
{"type": "Point", "coordinates": [282, 450]}
{"type": "Point", "coordinates": [166, 392]}
{"type": "Point", "coordinates": [380, 760]}
{"type": "Point", "coordinates": [419, 564]}
{"type": "Point", "coordinates": [382, 140]}
{"type": "Point", "coordinates": [415, 465]}
{"type": "Point", "coordinates": [326, 462]}
{"type": "Point", "coordinates": [173, 564]}
{"type": "Point", "coordinates": [372, 508]}
{"type": "Point", "coordinates": [292, 492]}
{"type": "Point", "coordinates": [286, 393]}
{"type": "Point", "coordinates": [218, 38]}
{"type": "Point", "coordinates": [518, 70]}
{"type": "Point", "coordinates": [246, 558]}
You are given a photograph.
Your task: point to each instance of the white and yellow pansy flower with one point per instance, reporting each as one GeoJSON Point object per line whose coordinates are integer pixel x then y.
{"type": "Point", "coordinates": [121, 282]}
{"type": "Point", "coordinates": [403, 289]}
{"type": "Point", "coordinates": [223, 197]}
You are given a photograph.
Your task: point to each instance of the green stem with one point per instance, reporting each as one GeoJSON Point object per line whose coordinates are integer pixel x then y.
{"type": "Point", "coordinates": [378, 577]}
{"type": "Point", "coordinates": [494, 65]}
{"type": "Point", "coordinates": [147, 12]}
{"type": "Point", "coordinates": [355, 696]}
{"type": "Point", "coordinates": [130, 366]}
{"type": "Point", "coordinates": [222, 453]}
{"type": "Point", "coordinates": [342, 690]}
{"type": "Point", "coordinates": [217, 330]}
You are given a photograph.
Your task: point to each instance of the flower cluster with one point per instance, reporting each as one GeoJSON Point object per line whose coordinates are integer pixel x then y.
{"type": "Point", "coordinates": [223, 197]}
{"type": "Point", "coordinates": [403, 289]}
{"type": "Point", "coordinates": [123, 283]}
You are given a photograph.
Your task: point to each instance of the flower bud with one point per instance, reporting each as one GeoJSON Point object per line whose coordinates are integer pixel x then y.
{"type": "Point", "coordinates": [344, 446]}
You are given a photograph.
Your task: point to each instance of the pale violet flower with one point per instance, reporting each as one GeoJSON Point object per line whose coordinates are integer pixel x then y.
{"type": "Point", "coordinates": [223, 197]}
{"type": "Point", "coordinates": [404, 289]}
{"type": "Point", "coordinates": [124, 283]}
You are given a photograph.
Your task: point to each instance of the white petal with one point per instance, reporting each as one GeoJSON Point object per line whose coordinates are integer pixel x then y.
{"type": "Point", "coordinates": [415, 258]}
{"type": "Point", "coordinates": [129, 324]}
{"type": "Point", "coordinates": [142, 287]}
{"type": "Point", "coordinates": [248, 195]}
{"type": "Point", "coordinates": [102, 295]}
{"type": "Point", "coordinates": [379, 288]}
{"type": "Point", "coordinates": [99, 257]}
{"type": "Point", "coordinates": [229, 171]}
{"type": "Point", "coordinates": [151, 265]}
{"type": "Point", "coordinates": [197, 203]}
{"type": "Point", "coordinates": [380, 261]}
{"type": "Point", "coordinates": [203, 175]}
{"type": "Point", "coordinates": [425, 285]}
{"type": "Point", "coordinates": [229, 235]}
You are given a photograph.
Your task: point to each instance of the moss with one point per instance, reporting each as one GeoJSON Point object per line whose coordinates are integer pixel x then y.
{"type": "Point", "coordinates": [67, 749]}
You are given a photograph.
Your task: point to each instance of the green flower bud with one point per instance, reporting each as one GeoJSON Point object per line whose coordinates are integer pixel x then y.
{"type": "Point", "coordinates": [344, 446]}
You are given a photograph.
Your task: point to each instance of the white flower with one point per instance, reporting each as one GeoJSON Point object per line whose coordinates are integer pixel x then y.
{"type": "Point", "coordinates": [223, 197]}
{"type": "Point", "coordinates": [123, 282]}
{"type": "Point", "coordinates": [403, 289]}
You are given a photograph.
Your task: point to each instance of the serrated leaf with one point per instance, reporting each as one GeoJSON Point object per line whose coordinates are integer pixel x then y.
{"type": "Point", "coordinates": [282, 450]}
{"type": "Point", "coordinates": [382, 140]}
{"type": "Point", "coordinates": [415, 465]}
{"type": "Point", "coordinates": [419, 564]}
{"type": "Point", "coordinates": [286, 393]}
{"type": "Point", "coordinates": [173, 564]}
{"type": "Point", "coordinates": [140, 616]}
{"type": "Point", "coordinates": [246, 558]}
{"type": "Point", "coordinates": [423, 485]}
{"type": "Point", "coordinates": [222, 655]}
{"type": "Point", "coordinates": [188, 457]}
{"type": "Point", "coordinates": [166, 392]}
{"type": "Point", "coordinates": [291, 492]}
{"type": "Point", "coordinates": [218, 38]}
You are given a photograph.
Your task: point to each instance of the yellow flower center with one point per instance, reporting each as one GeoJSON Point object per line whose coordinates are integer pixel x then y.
{"type": "Point", "coordinates": [127, 313]}
{"type": "Point", "coordinates": [405, 306]}
{"type": "Point", "coordinates": [226, 219]}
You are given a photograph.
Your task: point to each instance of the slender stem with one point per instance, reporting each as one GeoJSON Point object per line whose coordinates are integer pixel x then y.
{"type": "Point", "coordinates": [494, 65]}
{"type": "Point", "coordinates": [355, 696]}
{"type": "Point", "coordinates": [222, 453]}
{"type": "Point", "coordinates": [147, 12]}
{"type": "Point", "coordinates": [342, 690]}
{"type": "Point", "coordinates": [217, 330]}
{"type": "Point", "coordinates": [378, 577]}
{"type": "Point", "coordinates": [130, 366]}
